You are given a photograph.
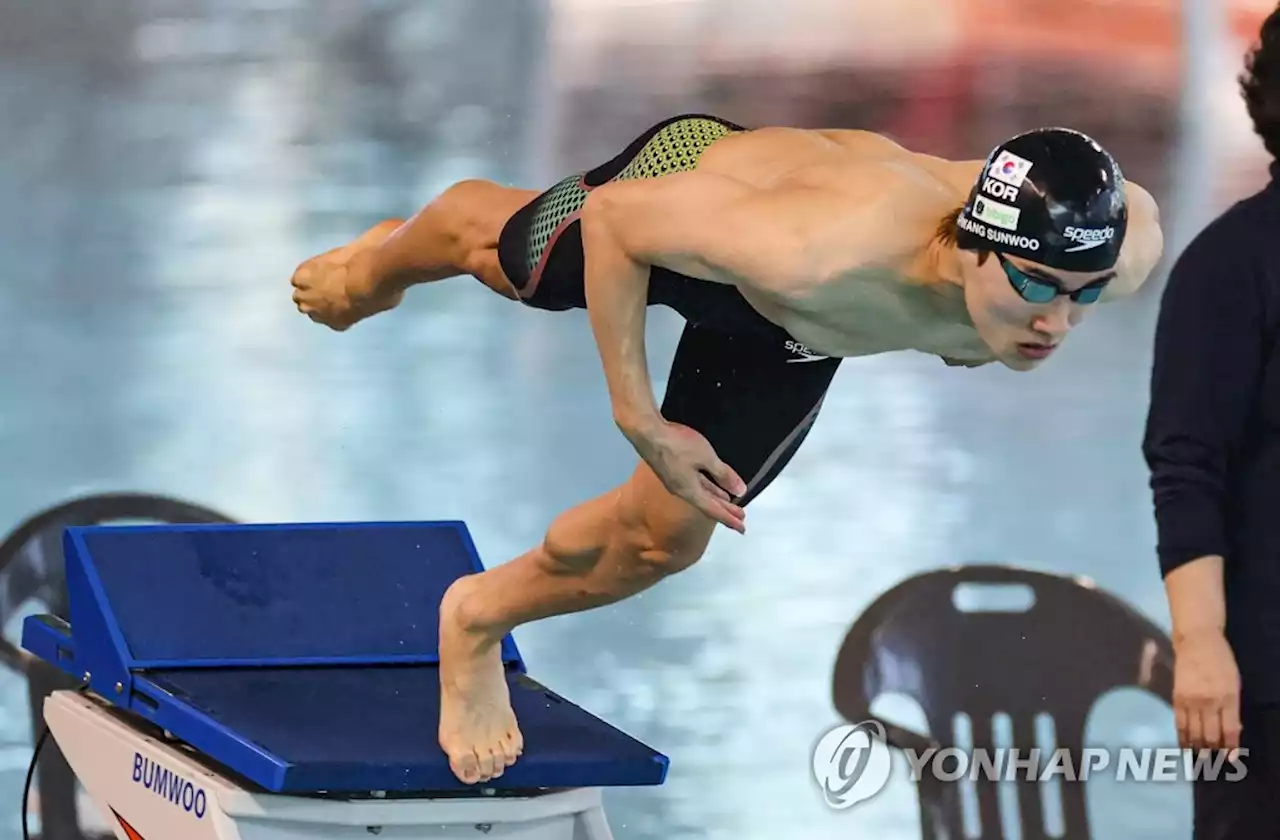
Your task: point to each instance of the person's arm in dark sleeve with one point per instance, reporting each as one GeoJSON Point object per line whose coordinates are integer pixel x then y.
{"type": "Point", "coordinates": [1206, 366]}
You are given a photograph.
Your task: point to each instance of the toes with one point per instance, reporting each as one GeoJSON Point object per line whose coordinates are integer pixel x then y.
{"type": "Point", "coordinates": [466, 766]}
{"type": "Point", "coordinates": [512, 746]}
{"type": "Point", "coordinates": [490, 767]}
{"type": "Point", "coordinates": [474, 766]}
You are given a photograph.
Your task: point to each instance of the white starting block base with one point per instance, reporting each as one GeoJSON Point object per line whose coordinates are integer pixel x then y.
{"type": "Point", "coordinates": [161, 791]}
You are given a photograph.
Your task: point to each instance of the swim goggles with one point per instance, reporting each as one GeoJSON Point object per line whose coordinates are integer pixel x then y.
{"type": "Point", "coordinates": [1039, 289]}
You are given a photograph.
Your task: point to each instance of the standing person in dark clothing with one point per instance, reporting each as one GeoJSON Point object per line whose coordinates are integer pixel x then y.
{"type": "Point", "coordinates": [1213, 446]}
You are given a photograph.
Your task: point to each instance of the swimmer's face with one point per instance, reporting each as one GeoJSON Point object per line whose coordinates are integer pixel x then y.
{"type": "Point", "coordinates": [1023, 333]}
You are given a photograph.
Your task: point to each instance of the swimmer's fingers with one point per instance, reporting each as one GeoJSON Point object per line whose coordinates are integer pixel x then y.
{"type": "Point", "coordinates": [716, 490]}
{"type": "Point", "coordinates": [712, 502]}
{"type": "Point", "coordinates": [733, 517]}
{"type": "Point", "coordinates": [724, 476]}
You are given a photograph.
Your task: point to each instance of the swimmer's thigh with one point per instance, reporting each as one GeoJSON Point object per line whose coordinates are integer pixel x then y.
{"type": "Point", "coordinates": [540, 247]}
{"type": "Point", "coordinates": [749, 395]}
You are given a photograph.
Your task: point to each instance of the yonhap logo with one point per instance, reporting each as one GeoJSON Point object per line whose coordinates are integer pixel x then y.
{"type": "Point", "coordinates": [851, 763]}
{"type": "Point", "coordinates": [169, 785]}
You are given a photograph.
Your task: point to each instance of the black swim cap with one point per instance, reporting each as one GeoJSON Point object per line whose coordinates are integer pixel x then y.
{"type": "Point", "coordinates": [1053, 196]}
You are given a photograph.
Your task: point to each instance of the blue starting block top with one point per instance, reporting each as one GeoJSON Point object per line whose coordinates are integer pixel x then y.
{"type": "Point", "coordinates": [304, 658]}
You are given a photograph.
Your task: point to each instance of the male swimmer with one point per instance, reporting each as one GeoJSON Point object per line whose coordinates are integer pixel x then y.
{"type": "Point", "coordinates": [785, 250]}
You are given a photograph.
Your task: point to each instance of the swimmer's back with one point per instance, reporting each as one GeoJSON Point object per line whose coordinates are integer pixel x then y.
{"type": "Point", "coordinates": [769, 157]}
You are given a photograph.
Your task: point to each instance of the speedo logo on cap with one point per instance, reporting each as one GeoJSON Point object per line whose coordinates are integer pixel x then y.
{"type": "Point", "coordinates": [996, 213]}
{"type": "Point", "coordinates": [1088, 238]}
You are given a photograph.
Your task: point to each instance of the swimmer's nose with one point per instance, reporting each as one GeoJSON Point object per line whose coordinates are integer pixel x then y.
{"type": "Point", "coordinates": [1054, 322]}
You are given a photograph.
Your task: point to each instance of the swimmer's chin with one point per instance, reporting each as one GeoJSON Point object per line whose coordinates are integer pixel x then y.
{"type": "Point", "coordinates": [1020, 364]}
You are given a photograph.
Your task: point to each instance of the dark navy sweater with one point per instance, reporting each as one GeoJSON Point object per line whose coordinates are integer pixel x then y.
{"type": "Point", "coordinates": [1212, 439]}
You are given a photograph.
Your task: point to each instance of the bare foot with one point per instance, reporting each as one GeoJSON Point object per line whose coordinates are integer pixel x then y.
{"type": "Point", "coordinates": [478, 728]}
{"type": "Point", "coordinates": [339, 288]}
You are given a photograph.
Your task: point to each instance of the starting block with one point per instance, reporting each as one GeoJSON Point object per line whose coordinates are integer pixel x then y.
{"type": "Point", "coordinates": [281, 682]}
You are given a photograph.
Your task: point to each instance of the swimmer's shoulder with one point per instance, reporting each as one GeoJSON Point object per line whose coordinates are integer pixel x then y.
{"type": "Point", "coordinates": [1143, 209]}
{"type": "Point", "coordinates": [1143, 244]}
{"type": "Point", "coordinates": [862, 142]}
{"type": "Point", "coordinates": [873, 146]}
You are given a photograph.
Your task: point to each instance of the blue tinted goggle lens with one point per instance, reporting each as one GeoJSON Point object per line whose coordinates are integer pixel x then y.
{"type": "Point", "coordinates": [1037, 290]}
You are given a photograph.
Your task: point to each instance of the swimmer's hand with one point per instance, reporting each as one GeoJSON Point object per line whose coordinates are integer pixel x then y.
{"type": "Point", "coordinates": [689, 468]}
{"type": "Point", "coordinates": [339, 288]}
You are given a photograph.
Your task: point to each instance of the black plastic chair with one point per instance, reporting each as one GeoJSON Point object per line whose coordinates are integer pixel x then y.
{"type": "Point", "coordinates": [1056, 658]}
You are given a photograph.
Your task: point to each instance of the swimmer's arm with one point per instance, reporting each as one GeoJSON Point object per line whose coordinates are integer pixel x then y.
{"type": "Point", "coordinates": [675, 222]}
{"type": "Point", "coordinates": [616, 286]}
{"type": "Point", "coordinates": [1143, 245]}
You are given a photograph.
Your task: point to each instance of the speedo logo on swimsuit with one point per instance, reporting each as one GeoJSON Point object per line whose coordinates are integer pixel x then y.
{"type": "Point", "coordinates": [999, 237]}
{"type": "Point", "coordinates": [1088, 237]}
{"type": "Point", "coordinates": [167, 784]}
{"type": "Point", "coordinates": [805, 354]}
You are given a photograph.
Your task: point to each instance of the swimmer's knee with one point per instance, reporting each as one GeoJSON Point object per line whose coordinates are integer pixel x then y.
{"type": "Point", "coordinates": [468, 192]}
{"type": "Point", "coordinates": [464, 204]}
{"type": "Point", "coordinates": [473, 214]}
{"type": "Point", "coordinates": [659, 534]}
{"type": "Point", "coordinates": [483, 204]}
{"type": "Point", "coordinates": [648, 557]}
{"type": "Point", "coordinates": [643, 539]}
{"type": "Point", "coordinates": [474, 211]}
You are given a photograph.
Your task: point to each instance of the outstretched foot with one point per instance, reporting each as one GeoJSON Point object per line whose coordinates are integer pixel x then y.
{"type": "Point", "coordinates": [478, 728]}
{"type": "Point", "coordinates": [340, 288]}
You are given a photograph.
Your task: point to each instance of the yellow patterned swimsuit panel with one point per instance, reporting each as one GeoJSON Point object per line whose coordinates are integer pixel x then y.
{"type": "Point", "coordinates": [673, 148]}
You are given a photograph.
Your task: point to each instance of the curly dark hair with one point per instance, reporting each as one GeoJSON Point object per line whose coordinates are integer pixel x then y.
{"type": "Point", "coordinates": [1260, 84]}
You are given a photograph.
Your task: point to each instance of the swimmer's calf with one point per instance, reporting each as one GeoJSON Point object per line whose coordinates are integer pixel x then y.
{"type": "Point", "coordinates": [601, 552]}
{"type": "Point", "coordinates": [478, 728]}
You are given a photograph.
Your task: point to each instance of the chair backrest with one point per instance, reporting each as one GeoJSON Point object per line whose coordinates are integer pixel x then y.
{"type": "Point", "coordinates": [1052, 660]}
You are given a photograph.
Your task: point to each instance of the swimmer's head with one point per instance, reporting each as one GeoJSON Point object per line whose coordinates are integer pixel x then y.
{"type": "Point", "coordinates": [1041, 231]}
